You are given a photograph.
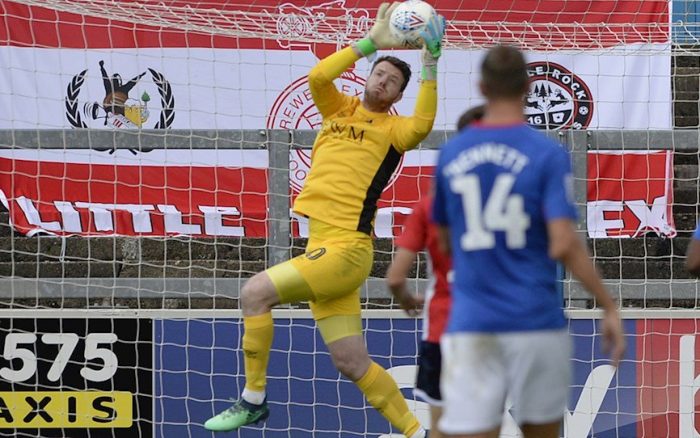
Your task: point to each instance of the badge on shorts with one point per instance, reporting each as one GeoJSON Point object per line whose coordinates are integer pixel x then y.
{"type": "Point", "coordinates": [313, 255]}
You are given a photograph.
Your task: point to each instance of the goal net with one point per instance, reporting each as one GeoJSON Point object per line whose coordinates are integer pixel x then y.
{"type": "Point", "coordinates": [150, 152]}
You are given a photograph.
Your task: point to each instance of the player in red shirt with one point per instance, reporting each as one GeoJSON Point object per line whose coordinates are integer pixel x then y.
{"type": "Point", "coordinates": [420, 233]}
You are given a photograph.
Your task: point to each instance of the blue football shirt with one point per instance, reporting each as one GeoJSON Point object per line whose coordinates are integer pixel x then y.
{"type": "Point", "coordinates": [696, 234]}
{"type": "Point", "coordinates": [496, 189]}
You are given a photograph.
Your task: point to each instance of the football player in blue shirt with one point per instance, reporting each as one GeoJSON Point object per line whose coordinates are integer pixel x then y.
{"type": "Point", "coordinates": [504, 200]}
{"type": "Point", "coordinates": [692, 261]}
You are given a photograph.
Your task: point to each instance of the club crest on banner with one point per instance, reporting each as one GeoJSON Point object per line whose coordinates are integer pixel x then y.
{"type": "Point", "coordinates": [123, 104]}
{"type": "Point", "coordinates": [557, 98]}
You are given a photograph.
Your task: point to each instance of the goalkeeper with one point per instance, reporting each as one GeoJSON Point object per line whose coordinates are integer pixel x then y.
{"type": "Point", "coordinates": [355, 153]}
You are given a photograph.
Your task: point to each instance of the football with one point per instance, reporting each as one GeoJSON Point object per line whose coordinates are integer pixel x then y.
{"type": "Point", "coordinates": [408, 20]}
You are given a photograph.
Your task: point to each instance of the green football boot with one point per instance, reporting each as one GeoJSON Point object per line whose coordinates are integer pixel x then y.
{"type": "Point", "coordinates": [240, 414]}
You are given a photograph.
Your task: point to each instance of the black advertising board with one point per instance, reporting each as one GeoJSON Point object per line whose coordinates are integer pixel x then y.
{"type": "Point", "coordinates": [76, 378]}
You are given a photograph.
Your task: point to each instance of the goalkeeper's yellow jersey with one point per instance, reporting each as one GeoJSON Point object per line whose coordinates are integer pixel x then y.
{"type": "Point", "coordinates": [356, 150]}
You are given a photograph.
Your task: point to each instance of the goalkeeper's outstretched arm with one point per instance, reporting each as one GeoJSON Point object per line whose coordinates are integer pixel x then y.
{"type": "Point", "coordinates": [418, 126]}
{"type": "Point", "coordinates": [326, 96]}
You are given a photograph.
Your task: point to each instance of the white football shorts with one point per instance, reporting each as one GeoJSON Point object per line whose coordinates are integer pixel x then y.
{"type": "Point", "coordinates": [480, 371]}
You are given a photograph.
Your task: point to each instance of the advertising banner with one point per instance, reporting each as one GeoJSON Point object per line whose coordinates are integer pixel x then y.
{"type": "Point", "coordinates": [124, 377]}
{"type": "Point", "coordinates": [667, 378]}
{"type": "Point", "coordinates": [211, 193]}
{"type": "Point", "coordinates": [630, 193]}
{"type": "Point", "coordinates": [201, 193]}
{"type": "Point", "coordinates": [199, 368]}
{"type": "Point", "coordinates": [76, 377]}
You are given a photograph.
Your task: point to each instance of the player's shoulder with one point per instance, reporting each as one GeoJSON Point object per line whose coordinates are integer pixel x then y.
{"type": "Point", "coordinates": [347, 109]}
{"type": "Point", "coordinates": [394, 121]}
{"type": "Point", "coordinates": [544, 146]}
{"type": "Point", "coordinates": [458, 142]}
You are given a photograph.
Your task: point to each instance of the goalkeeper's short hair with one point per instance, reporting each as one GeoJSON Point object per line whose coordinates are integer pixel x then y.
{"type": "Point", "coordinates": [396, 62]}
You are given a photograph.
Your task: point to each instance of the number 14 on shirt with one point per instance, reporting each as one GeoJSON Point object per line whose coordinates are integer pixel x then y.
{"type": "Point", "coordinates": [503, 211]}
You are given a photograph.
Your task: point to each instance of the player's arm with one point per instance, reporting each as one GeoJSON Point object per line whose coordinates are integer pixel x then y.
{"type": "Point", "coordinates": [439, 208]}
{"type": "Point", "coordinates": [414, 129]}
{"type": "Point", "coordinates": [326, 96]}
{"type": "Point", "coordinates": [692, 261]}
{"type": "Point", "coordinates": [566, 247]}
{"type": "Point", "coordinates": [412, 239]}
{"type": "Point", "coordinates": [396, 277]}
{"type": "Point", "coordinates": [443, 238]}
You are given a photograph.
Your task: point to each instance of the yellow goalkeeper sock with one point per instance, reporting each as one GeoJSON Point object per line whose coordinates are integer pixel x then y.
{"type": "Point", "coordinates": [257, 342]}
{"type": "Point", "coordinates": [382, 393]}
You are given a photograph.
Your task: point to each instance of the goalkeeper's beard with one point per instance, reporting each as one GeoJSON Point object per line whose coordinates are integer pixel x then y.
{"type": "Point", "coordinates": [374, 102]}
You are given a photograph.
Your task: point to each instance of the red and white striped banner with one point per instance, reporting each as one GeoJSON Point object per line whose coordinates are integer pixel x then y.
{"type": "Point", "coordinates": [542, 25]}
{"type": "Point", "coordinates": [222, 65]}
{"type": "Point", "coordinates": [225, 65]}
{"type": "Point", "coordinates": [224, 193]}
{"type": "Point", "coordinates": [174, 192]}
{"type": "Point", "coordinates": [84, 192]}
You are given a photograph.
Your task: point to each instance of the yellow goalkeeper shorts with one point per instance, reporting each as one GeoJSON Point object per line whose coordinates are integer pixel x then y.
{"type": "Point", "coordinates": [329, 275]}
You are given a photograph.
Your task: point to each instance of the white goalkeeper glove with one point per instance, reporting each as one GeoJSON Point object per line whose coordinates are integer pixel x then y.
{"type": "Point", "coordinates": [432, 49]}
{"type": "Point", "coordinates": [379, 36]}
